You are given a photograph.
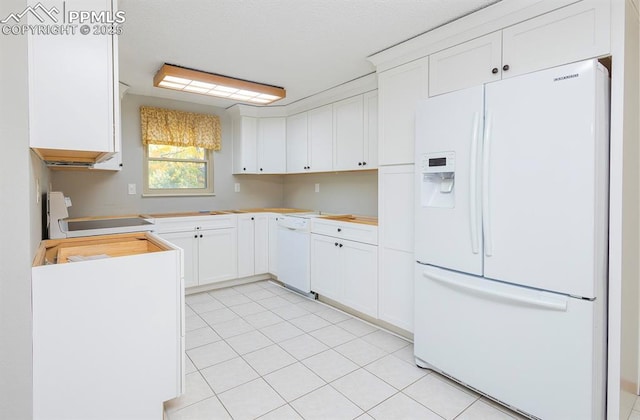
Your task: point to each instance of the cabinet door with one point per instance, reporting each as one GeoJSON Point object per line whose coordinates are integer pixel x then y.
{"type": "Point", "coordinates": [399, 89]}
{"type": "Point", "coordinates": [71, 95]}
{"type": "Point", "coordinates": [272, 146]}
{"type": "Point", "coordinates": [273, 245]}
{"type": "Point", "coordinates": [469, 64]}
{"type": "Point", "coordinates": [261, 243]}
{"type": "Point", "coordinates": [245, 135]}
{"type": "Point", "coordinates": [360, 276]}
{"type": "Point", "coordinates": [297, 137]}
{"type": "Point", "coordinates": [348, 120]}
{"type": "Point", "coordinates": [246, 246]}
{"type": "Point", "coordinates": [370, 157]}
{"type": "Point", "coordinates": [325, 277]}
{"type": "Point", "coordinates": [569, 34]}
{"type": "Point", "coordinates": [395, 247]}
{"type": "Point", "coordinates": [217, 255]}
{"type": "Point", "coordinates": [321, 138]}
{"type": "Point", "coordinates": [188, 242]}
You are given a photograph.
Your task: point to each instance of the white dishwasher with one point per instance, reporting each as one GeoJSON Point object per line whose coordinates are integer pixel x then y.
{"type": "Point", "coordinates": [294, 248]}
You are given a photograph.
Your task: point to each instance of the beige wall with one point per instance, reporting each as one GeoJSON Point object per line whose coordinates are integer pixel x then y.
{"type": "Point", "coordinates": [20, 217]}
{"type": "Point", "coordinates": [105, 193]}
{"type": "Point", "coordinates": [340, 192]}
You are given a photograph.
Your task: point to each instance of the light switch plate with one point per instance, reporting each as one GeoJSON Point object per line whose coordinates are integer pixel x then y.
{"type": "Point", "coordinates": [236, 187]}
{"type": "Point", "coordinates": [132, 189]}
{"type": "Point", "coordinates": [317, 187]}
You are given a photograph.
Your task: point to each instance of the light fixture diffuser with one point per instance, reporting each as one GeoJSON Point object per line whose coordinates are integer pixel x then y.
{"type": "Point", "coordinates": [195, 81]}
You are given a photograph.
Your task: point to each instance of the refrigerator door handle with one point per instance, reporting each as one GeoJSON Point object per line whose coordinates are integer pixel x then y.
{"type": "Point", "coordinates": [554, 304]}
{"type": "Point", "coordinates": [473, 186]}
{"type": "Point", "coordinates": [486, 215]}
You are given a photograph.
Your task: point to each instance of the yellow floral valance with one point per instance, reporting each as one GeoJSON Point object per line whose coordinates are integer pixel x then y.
{"type": "Point", "coordinates": [178, 128]}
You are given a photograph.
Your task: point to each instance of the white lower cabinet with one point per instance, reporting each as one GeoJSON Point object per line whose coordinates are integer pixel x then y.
{"type": "Point", "coordinates": [253, 244]}
{"type": "Point", "coordinates": [345, 271]}
{"type": "Point", "coordinates": [209, 244]}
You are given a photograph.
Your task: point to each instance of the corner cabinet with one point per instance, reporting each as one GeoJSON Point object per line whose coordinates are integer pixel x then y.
{"type": "Point", "coordinates": [259, 145]}
{"type": "Point", "coordinates": [571, 33]}
{"type": "Point", "coordinates": [74, 113]}
{"type": "Point", "coordinates": [209, 245]}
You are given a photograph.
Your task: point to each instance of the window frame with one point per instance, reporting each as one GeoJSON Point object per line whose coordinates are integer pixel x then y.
{"type": "Point", "coordinates": [182, 192]}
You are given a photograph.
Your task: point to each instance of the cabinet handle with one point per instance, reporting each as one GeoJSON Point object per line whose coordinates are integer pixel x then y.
{"type": "Point", "coordinates": [505, 67]}
{"type": "Point", "coordinates": [494, 70]}
{"type": "Point", "coordinates": [340, 245]}
{"type": "Point", "coordinates": [339, 230]}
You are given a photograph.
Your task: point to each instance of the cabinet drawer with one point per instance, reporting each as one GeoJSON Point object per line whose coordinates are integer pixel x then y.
{"type": "Point", "coordinates": [344, 230]}
{"type": "Point", "coordinates": [184, 224]}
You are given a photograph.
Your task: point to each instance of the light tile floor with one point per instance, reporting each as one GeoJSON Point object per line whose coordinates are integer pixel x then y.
{"type": "Point", "coordinates": [261, 351]}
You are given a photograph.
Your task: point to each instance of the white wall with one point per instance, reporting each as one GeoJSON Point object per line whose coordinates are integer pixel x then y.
{"type": "Point", "coordinates": [340, 192]}
{"type": "Point", "coordinates": [105, 193]}
{"type": "Point", "coordinates": [20, 217]}
{"type": "Point", "coordinates": [624, 241]}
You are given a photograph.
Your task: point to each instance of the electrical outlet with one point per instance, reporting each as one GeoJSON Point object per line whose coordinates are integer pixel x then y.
{"type": "Point", "coordinates": [132, 189]}
{"type": "Point", "coordinates": [317, 187]}
{"type": "Point", "coordinates": [236, 187]}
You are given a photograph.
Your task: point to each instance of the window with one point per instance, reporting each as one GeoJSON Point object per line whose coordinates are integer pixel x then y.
{"type": "Point", "coordinates": [177, 170]}
{"type": "Point", "coordinates": [178, 151]}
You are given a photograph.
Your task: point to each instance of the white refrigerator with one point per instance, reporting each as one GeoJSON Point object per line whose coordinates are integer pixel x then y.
{"type": "Point", "coordinates": [511, 239]}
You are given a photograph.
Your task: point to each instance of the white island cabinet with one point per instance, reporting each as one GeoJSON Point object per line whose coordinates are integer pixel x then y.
{"type": "Point", "coordinates": [108, 334]}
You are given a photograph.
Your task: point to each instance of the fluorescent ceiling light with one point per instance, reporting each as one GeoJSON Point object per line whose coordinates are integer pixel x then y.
{"type": "Point", "coordinates": [195, 81]}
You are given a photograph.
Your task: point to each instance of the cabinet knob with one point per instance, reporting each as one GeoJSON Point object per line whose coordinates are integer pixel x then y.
{"type": "Point", "coordinates": [505, 67]}
{"type": "Point", "coordinates": [340, 245]}
{"type": "Point", "coordinates": [336, 244]}
{"type": "Point", "coordinates": [364, 163]}
{"type": "Point", "coordinates": [494, 70]}
{"type": "Point", "coordinates": [244, 169]}
{"type": "Point", "coordinates": [195, 236]}
{"type": "Point", "coordinates": [252, 218]}
{"type": "Point", "coordinates": [359, 163]}
{"type": "Point", "coordinates": [201, 236]}
{"type": "Point", "coordinates": [260, 169]}
{"type": "Point", "coordinates": [339, 230]}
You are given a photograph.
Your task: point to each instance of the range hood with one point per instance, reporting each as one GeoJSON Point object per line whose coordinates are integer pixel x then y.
{"type": "Point", "coordinates": [62, 158]}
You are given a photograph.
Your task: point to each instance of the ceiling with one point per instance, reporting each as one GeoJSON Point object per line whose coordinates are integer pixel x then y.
{"type": "Point", "coordinates": [305, 46]}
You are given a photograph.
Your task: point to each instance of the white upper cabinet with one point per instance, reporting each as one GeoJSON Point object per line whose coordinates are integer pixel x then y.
{"type": "Point", "coordinates": [370, 152]}
{"type": "Point", "coordinates": [469, 64]}
{"type": "Point", "coordinates": [272, 145]}
{"type": "Point", "coordinates": [73, 97]}
{"type": "Point", "coordinates": [571, 33]}
{"type": "Point", "coordinates": [320, 126]}
{"type": "Point", "coordinates": [399, 90]}
{"type": "Point", "coordinates": [245, 145]}
{"type": "Point", "coordinates": [348, 117]}
{"type": "Point", "coordinates": [259, 145]}
{"type": "Point", "coordinates": [297, 148]}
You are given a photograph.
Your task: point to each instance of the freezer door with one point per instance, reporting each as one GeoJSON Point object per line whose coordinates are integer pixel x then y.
{"type": "Point", "coordinates": [539, 352]}
{"type": "Point", "coordinates": [447, 195]}
{"type": "Point", "coordinates": [545, 179]}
